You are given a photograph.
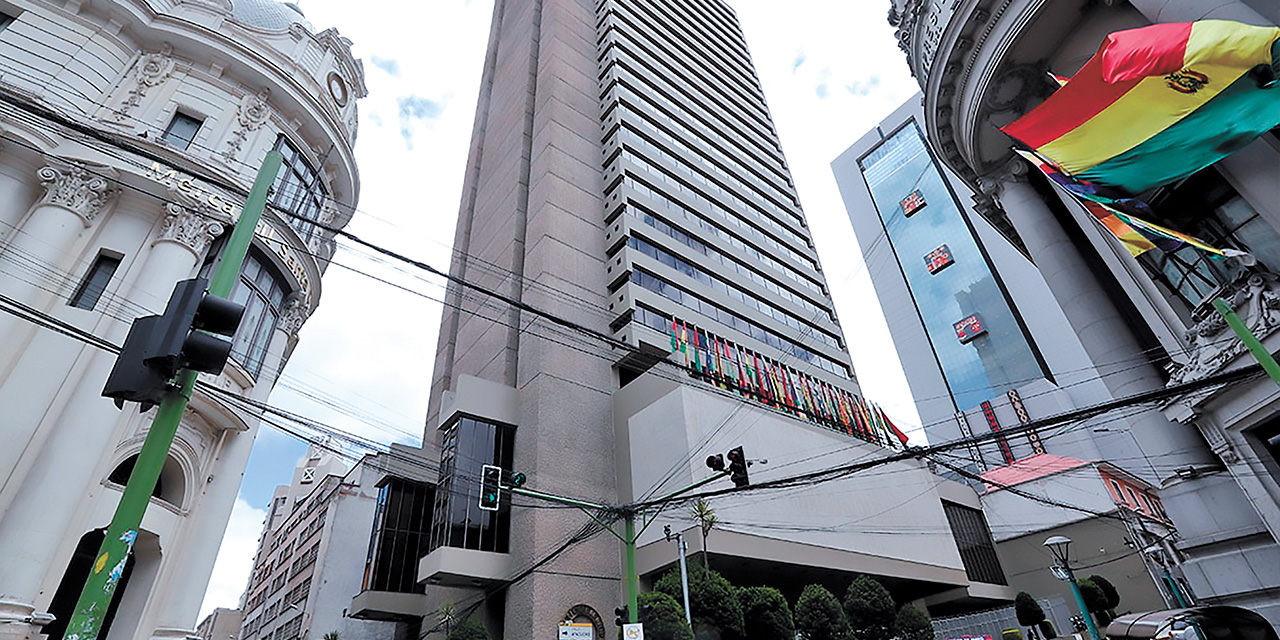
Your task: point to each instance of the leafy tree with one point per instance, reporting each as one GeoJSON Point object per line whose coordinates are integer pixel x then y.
{"type": "Point", "coordinates": [1027, 609]}
{"type": "Point", "coordinates": [765, 614]}
{"type": "Point", "coordinates": [447, 616]}
{"type": "Point", "coordinates": [712, 601]}
{"type": "Point", "coordinates": [666, 618]}
{"type": "Point", "coordinates": [1108, 589]}
{"type": "Point", "coordinates": [1095, 600]}
{"type": "Point", "coordinates": [469, 630]}
{"type": "Point", "coordinates": [819, 615]}
{"type": "Point", "coordinates": [869, 608]}
{"type": "Point", "coordinates": [705, 516]}
{"type": "Point", "coordinates": [912, 624]}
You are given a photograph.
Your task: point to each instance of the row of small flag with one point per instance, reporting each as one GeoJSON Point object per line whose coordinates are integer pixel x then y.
{"type": "Point", "coordinates": [735, 368]}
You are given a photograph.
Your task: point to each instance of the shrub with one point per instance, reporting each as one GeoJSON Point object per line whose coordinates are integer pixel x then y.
{"type": "Point", "coordinates": [1027, 609]}
{"type": "Point", "coordinates": [469, 630]}
{"type": "Point", "coordinates": [819, 615]}
{"type": "Point", "coordinates": [712, 601]}
{"type": "Point", "coordinates": [912, 624]}
{"type": "Point", "coordinates": [1108, 590]}
{"type": "Point", "coordinates": [665, 620]}
{"type": "Point", "coordinates": [869, 608]}
{"type": "Point", "coordinates": [765, 614]}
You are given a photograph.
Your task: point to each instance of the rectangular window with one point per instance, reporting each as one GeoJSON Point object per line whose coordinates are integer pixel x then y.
{"type": "Point", "coordinates": [401, 529]}
{"type": "Point", "coordinates": [181, 130]}
{"type": "Point", "coordinates": [977, 549]}
{"type": "Point", "coordinates": [298, 192]}
{"type": "Point", "coordinates": [467, 445]}
{"type": "Point", "coordinates": [95, 282]}
{"type": "Point", "coordinates": [5, 21]}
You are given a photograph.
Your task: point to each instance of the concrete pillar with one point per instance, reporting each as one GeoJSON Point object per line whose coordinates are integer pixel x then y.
{"type": "Point", "coordinates": [1191, 10]}
{"type": "Point", "coordinates": [1105, 336]}
{"type": "Point", "coordinates": [39, 250]}
{"type": "Point", "coordinates": [66, 441]}
{"type": "Point", "coordinates": [17, 192]}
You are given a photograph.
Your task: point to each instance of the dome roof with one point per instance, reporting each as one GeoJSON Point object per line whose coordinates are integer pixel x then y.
{"type": "Point", "coordinates": [268, 14]}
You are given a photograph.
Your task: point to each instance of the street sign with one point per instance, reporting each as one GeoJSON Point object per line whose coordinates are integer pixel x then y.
{"type": "Point", "coordinates": [633, 631]}
{"type": "Point", "coordinates": [577, 631]}
{"type": "Point", "coordinates": [1059, 572]}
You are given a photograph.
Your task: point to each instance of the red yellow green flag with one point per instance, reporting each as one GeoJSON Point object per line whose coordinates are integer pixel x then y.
{"type": "Point", "coordinates": [1159, 103]}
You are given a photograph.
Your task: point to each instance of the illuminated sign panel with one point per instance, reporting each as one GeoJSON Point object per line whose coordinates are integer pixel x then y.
{"type": "Point", "coordinates": [912, 203]}
{"type": "Point", "coordinates": [938, 259]}
{"type": "Point", "coordinates": [969, 328]}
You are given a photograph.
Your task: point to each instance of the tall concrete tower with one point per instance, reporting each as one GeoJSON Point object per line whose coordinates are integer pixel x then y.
{"type": "Point", "coordinates": [625, 176]}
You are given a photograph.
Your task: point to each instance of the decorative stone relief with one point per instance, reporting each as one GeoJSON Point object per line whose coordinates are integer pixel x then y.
{"type": "Point", "coordinates": [189, 227]}
{"type": "Point", "coordinates": [1255, 297]}
{"type": "Point", "coordinates": [252, 113]}
{"type": "Point", "coordinates": [902, 16]}
{"type": "Point", "coordinates": [151, 71]}
{"type": "Point", "coordinates": [295, 312]}
{"type": "Point", "coordinates": [74, 187]}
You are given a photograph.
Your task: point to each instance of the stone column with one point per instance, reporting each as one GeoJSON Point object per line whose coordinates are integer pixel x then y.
{"type": "Point", "coordinates": [38, 253]}
{"type": "Point", "coordinates": [68, 437]}
{"type": "Point", "coordinates": [1103, 332]}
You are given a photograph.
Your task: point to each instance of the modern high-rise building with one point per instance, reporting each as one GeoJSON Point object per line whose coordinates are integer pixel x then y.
{"type": "Point", "coordinates": [635, 288]}
{"type": "Point", "coordinates": [131, 132]}
{"type": "Point", "coordinates": [1145, 322]}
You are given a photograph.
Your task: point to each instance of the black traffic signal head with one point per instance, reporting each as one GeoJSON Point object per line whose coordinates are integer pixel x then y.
{"type": "Point", "coordinates": [490, 487]}
{"type": "Point", "coordinates": [190, 330]}
{"type": "Point", "coordinates": [622, 615]}
{"type": "Point", "coordinates": [716, 462]}
{"type": "Point", "coordinates": [738, 467]}
{"type": "Point", "coordinates": [516, 480]}
{"type": "Point", "coordinates": [646, 610]}
{"type": "Point", "coordinates": [131, 380]}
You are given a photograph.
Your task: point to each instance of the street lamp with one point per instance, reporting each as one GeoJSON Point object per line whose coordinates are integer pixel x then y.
{"type": "Point", "coordinates": [1058, 546]}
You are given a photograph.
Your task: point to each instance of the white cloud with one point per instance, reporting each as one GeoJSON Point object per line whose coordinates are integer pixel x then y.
{"type": "Point", "coordinates": [235, 559]}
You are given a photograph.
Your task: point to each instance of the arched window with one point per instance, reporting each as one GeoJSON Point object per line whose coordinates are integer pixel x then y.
{"type": "Point", "coordinates": [298, 190]}
{"type": "Point", "coordinates": [262, 290]}
{"type": "Point", "coordinates": [170, 486]}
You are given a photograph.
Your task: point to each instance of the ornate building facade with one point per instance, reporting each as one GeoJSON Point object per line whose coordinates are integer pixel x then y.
{"type": "Point", "coordinates": [130, 132]}
{"type": "Point", "coordinates": [1144, 322]}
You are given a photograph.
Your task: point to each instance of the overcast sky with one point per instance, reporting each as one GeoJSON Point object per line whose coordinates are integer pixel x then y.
{"type": "Point", "coordinates": [831, 71]}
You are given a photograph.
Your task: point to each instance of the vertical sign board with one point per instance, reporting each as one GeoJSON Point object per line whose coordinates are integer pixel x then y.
{"type": "Point", "coordinates": [577, 631]}
{"type": "Point", "coordinates": [633, 631]}
{"type": "Point", "coordinates": [969, 328]}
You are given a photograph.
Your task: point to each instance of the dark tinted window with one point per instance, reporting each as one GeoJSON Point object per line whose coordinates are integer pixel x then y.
{"type": "Point", "coordinates": [977, 550]}
{"type": "Point", "coordinates": [401, 526]}
{"type": "Point", "coordinates": [458, 520]}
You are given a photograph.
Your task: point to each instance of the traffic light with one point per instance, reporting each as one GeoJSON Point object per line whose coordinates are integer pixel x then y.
{"type": "Point", "coordinates": [716, 462]}
{"type": "Point", "coordinates": [490, 487]}
{"type": "Point", "coordinates": [646, 610]}
{"type": "Point", "coordinates": [192, 330]}
{"type": "Point", "coordinates": [516, 480]}
{"type": "Point", "coordinates": [622, 615]}
{"type": "Point", "coordinates": [186, 336]}
{"type": "Point", "coordinates": [737, 467]}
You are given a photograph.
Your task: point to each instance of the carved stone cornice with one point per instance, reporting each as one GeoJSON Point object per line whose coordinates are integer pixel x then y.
{"type": "Point", "coordinates": [77, 188]}
{"type": "Point", "coordinates": [903, 16]}
{"type": "Point", "coordinates": [151, 71]}
{"type": "Point", "coordinates": [1255, 297]}
{"type": "Point", "coordinates": [189, 226]}
{"type": "Point", "coordinates": [251, 114]}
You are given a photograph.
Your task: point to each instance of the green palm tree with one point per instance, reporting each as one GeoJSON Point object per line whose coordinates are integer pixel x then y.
{"type": "Point", "coordinates": [706, 519]}
{"type": "Point", "coordinates": [447, 616]}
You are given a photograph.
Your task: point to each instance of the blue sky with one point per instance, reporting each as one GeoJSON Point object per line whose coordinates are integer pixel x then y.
{"type": "Point", "coordinates": [830, 70]}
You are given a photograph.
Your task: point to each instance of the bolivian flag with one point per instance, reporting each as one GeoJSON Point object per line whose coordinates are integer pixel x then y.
{"type": "Point", "coordinates": [1159, 103]}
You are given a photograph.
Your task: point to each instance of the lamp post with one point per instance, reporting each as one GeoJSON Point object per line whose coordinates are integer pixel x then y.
{"type": "Point", "coordinates": [1058, 547]}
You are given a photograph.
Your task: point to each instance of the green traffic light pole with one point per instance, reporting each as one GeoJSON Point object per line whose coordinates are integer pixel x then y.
{"type": "Point", "coordinates": [104, 575]}
{"type": "Point", "coordinates": [631, 581]}
{"type": "Point", "coordinates": [1251, 341]}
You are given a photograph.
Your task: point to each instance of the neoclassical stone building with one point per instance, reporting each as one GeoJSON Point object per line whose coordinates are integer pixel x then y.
{"type": "Point", "coordinates": [1146, 322]}
{"type": "Point", "coordinates": [129, 132]}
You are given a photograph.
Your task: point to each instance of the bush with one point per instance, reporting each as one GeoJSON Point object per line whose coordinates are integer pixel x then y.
{"type": "Point", "coordinates": [869, 608]}
{"type": "Point", "coordinates": [912, 624]}
{"type": "Point", "coordinates": [1047, 631]}
{"type": "Point", "coordinates": [469, 630]}
{"type": "Point", "coordinates": [1027, 609]}
{"type": "Point", "coordinates": [819, 615]}
{"type": "Point", "coordinates": [666, 618]}
{"type": "Point", "coordinates": [765, 614]}
{"type": "Point", "coordinates": [1108, 590]}
{"type": "Point", "coordinates": [712, 601]}
{"type": "Point", "coordinates": [1011, 634]}
{"type": "Point", "coordinates": [1094, 598]}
